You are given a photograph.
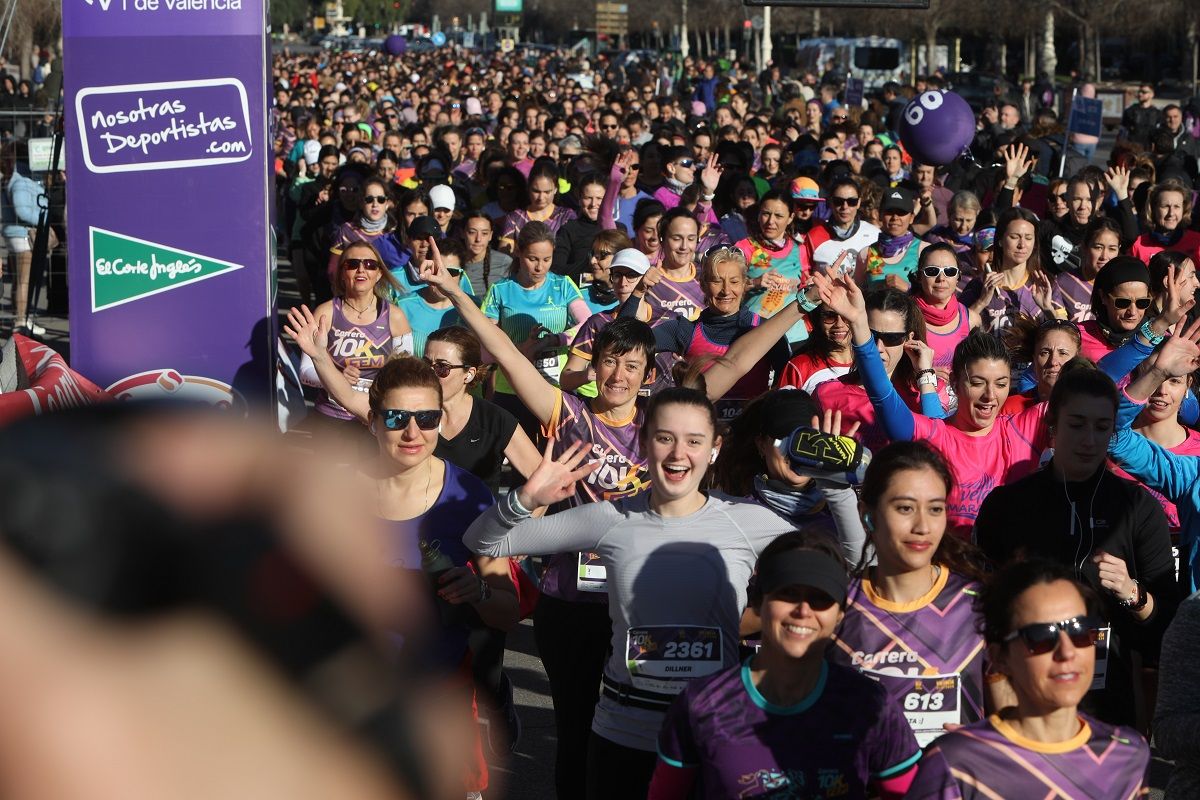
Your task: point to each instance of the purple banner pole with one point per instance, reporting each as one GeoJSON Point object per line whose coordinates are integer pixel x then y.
{"type": "Point", "coordinates": [172, 260]}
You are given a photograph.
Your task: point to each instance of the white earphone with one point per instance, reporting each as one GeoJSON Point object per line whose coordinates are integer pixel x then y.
{"type": "Point", "coordinates": [712, 459]}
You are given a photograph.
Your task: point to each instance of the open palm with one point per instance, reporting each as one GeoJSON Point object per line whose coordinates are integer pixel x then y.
{"type": "Point", "coordinates": [554, 479]}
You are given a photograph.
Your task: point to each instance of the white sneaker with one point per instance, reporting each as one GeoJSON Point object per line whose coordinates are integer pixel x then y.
{"type": "Point", "coordinates": [28, 327]}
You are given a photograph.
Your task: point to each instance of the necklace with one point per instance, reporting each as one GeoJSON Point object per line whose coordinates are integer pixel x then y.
{"type": "Point", "coordinates": [425, 504]}
{"type": "Point", "coordinates": [346, 302]}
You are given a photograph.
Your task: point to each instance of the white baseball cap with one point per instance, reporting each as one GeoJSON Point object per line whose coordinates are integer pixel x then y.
{"type": "Point", "coordinates": [442, 196]}
{"type": "Point", "coordinates": [312, 151]}
{"type": "Point", "coordinates": [631, 259]}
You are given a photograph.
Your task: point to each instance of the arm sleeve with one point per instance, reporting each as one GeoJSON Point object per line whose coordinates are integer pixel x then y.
{"type": "Point", "coordinates": [1177, 716]}
{"type": "Point", "coordinates": [843, 505]}
{"type": "Point", "coordinates": [308, 372]}
{"type": "Point", "coordinates": [1189, 410]}
{"type": "Point", "coordinates": [1124, 359]}
{"type": "Point", "coordinates": [897, 418]}
{"type": "Point", "coordinates": [1150, 463]}
{"type": "Point", "coordinates": [580, 528]}
{"type": "Point", "coordinates": [931, 405]}
{"type": "Point", "coordinates": [1123, 215]}
{"type": "Point", "coordinates": [630, 307]}
{"type": "Point", "coordinates": [933, 780]}
{"type": "Point", "coordinates": [1004, 200]}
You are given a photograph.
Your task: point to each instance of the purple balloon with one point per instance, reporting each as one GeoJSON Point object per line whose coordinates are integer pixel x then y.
{"type": "Point", "coordinates": [936, 127]}
{"type": "Point", "coordinates": [395, 44]}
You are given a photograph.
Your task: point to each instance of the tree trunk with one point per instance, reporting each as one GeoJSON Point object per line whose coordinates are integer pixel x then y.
{"type": "Point", "coordinates": [931, 31]}
{"type": "Point", "coordinates": [816, 23]}
{"type": "Point", "coordinates": [1099, 65]}
{"type": "Point", "coordinates": [1049, 51]}
{"type": "Point", "coordinates": [1003, 57]}
{"type": "Point", "coordinates": [728, 46]}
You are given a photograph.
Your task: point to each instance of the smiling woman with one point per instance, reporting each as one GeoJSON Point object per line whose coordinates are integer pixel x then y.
{"type": "Point", "coordinates": [1042, 633]}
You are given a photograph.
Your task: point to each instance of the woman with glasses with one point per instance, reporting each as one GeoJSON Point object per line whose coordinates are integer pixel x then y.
{"type": "Point", "coordinates": [844, 231]}
{"type": "Point", "coordinates": [935, 288]}
{"type": "Point", "coordinates": [427, 504]}
{"type": "Point", "coordinates": [1041, 633]}
{"type": "Point", "coordinates": [894, 320]}
{"type": "Point", "coordinates": [599, 290]}
{"type": "Point", "coordinates": [543, 189]}
{"type": "Point", "coordinates": [736, 733]}
{"type": "Point", "coordinates": [364, 330]}
{"type": "Point", "coordinates": [1108, 531]}
{"type": "Point", "coordinates": [825, 355]}
{"type": "Point", "coordinates": [1121, 296]}
{"type": "Point", "coordinates": [681, 171]}
{"type": "Point", "coordinates": [374, 224]}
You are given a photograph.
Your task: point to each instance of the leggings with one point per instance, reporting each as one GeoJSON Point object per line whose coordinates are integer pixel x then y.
{"type": "Point", "coordinates": [572, 639]}
{"type": "Point", "coordinates": [614, 770]}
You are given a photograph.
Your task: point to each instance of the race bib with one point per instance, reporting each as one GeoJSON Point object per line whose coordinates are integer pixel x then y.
{"type": "Point", "coordinates": [929, 701]}
{"type": "Point", "coordinates": [662, 657]}
{"type": "Point", "coordinates": [550, 364]}
{"type": "Point", "coordinates": [1101, 659]}
{"type": "Point", "coordinates": [592, 576]}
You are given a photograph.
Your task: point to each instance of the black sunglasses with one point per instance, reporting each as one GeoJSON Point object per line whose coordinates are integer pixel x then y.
{"type": "Point", "coordinates": [1042, 637]}
{"type": "Point", "coordinates": [890, 338]}
{"type": "Point", "coordinates": [933, 272]}
{"type": "Point", "coordinates": [686, 163]}
{"type": "Point", "coordinates": [442, 369]}
{"type": "Point", "coordinates": [600, 255]}
{"type": "Point", "coordinates": [375, 198]}
{"type": "Point", "coordinates": [395, 419]}
{"type": "Point", "coordinates": [369, 264]}
{"type": "Point", "coordinates": [844, 201]}
{"type": "Point", "coordinates": [1123, 303]}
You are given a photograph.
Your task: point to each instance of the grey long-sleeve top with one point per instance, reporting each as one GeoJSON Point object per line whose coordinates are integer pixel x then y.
{"type": "Point", "coordinates": [664, 575]}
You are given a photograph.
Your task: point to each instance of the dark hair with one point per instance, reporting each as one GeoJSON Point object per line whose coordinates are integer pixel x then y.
{"type": "Point", "coordinates": [740, 459]}
{"type": "Point", "coordinates": [1011, 217]}
{"type": "Point", "coordinates": [977, 346]}
{"type": "Point", "coordinates": [1079, 377]}
{"type": "Point", "coordinates": [953, 552]}
{"type": "Point", "coordinates": [1026, 333]}
{"type": "Point", "coordinates": [1097, 226]}
{"type": "Point", "coordinates": [613, 238]}
{"type": "Point", "coordinates": [676, 396]}
{"type": "Point", "coordinates": [902, 303]}
{"type": "Point", "coordinates": [996, 598]}
{"type": "Point", "coordinates": [678, 212]}
{"type": "Point", "coordinates": [487, 253]}
{"type": "Point", "coordinates": [778, 196]}
{"type": "Point", "coordinates": [402, 372]}
{"type": "Point", "coordinates": [1158, 269]}
{"type": "Point", "coordinates": [810, 538]}
{"type": "Point", "coordinates": [645, 210]}
{"type": "Point", "coordinates": [533, 233]}
{"type": "Point", "coordinates": [469, 349]}
{"type": "Point", "coordinates": [624, 335]}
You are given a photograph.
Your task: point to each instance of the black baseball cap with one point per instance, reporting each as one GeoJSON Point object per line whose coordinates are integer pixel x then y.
{"type": "Point", "coordinates": [897, 199]}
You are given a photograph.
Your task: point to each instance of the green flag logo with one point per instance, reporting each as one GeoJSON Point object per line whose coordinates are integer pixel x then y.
{"type": "Point", "coordinates": [125, 268]}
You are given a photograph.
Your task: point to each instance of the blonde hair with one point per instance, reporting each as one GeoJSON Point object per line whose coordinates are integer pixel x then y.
{"type": "Point", "coordinates": [386, 279]}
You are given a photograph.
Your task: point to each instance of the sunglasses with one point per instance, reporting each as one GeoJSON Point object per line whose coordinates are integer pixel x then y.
{"type": "Point", "coordinates": [890, 338]}
{"type": "Point", "coordinates": [838, 119]}
{"type": "Point", "coordinates": [1042, 637]}
{"type": "Point", "coordinates": [933, 272]}
{"type": "Point", "coordinates": [686, 163]}
{"type": "Point", "coordinates": [395, 419]}
{"type": "Point", "coordinates": [1061, 197]}
{"type": "Point", "coordinates": [1058, 323]}
{"type": "Point", "coordinates": [369, 264]}
{"type": "Point", "coordinates": [609, 127]}
{"type": "Point", "coordinates": [634, 167]}
{"type": "Point", "coordinates": [831, 317]}
{"type": "Point", "coordinates": [1123, 303]}
{"type": "Point", "coordinates": [724, 252]}
{"type": "Point", "coordinates": [600, 255]}
{"type": "Point", "coordinates": [620, 274]}
{"type": "Point", "coordinates": [442, 369]}
{"type": "Point", "coordinates": [844, 201]}
{"type": "Point", "coordinates": [375, 198]}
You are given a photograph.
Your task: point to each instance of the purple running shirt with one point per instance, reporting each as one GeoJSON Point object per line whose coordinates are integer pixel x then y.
{"type": "Point", "coordinates": [989, 759]}
{"type": "Point", "coordinates": [928, 654]}
{"type": "Point", "coordinates": [832, 744]}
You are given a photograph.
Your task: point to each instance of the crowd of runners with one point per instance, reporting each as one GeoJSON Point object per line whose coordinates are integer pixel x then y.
{"type": "Point", "coordinates": [822, 472]}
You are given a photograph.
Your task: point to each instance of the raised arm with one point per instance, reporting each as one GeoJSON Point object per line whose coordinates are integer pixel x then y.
{"type": "Point", "coordinates": [844, 297]}
{"type": "Point", "coordinates": [616, 176]}
{"type": "Point", "coordinates": [537, 395]}
{"type": "Point", "coordinates": [507, 528]}
{"type": "Point", "coordinates": [749, 348]}
{"type": "Point", "coordinates": [312, 335]}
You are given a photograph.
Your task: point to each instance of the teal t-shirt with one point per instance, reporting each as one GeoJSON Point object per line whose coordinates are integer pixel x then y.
{"type": "Point", "coordinates": [517, 309]}
{"type": "Point", "coordinates": [425, 319]}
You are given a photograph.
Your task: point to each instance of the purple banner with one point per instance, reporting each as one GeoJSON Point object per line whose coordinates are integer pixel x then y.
{"type": "Point", "coordinates": [171, 257]}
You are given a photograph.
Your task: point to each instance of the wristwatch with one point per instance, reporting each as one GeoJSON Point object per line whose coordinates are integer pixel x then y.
{"type": "Point", "coordinates": [927, 377]}
{"type": "Point", "coordinates": [806, 305]}
{"type": "Point", "coordinates": [1148, 333]}
{"type": "Point", "coordinates": [485, 592]}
